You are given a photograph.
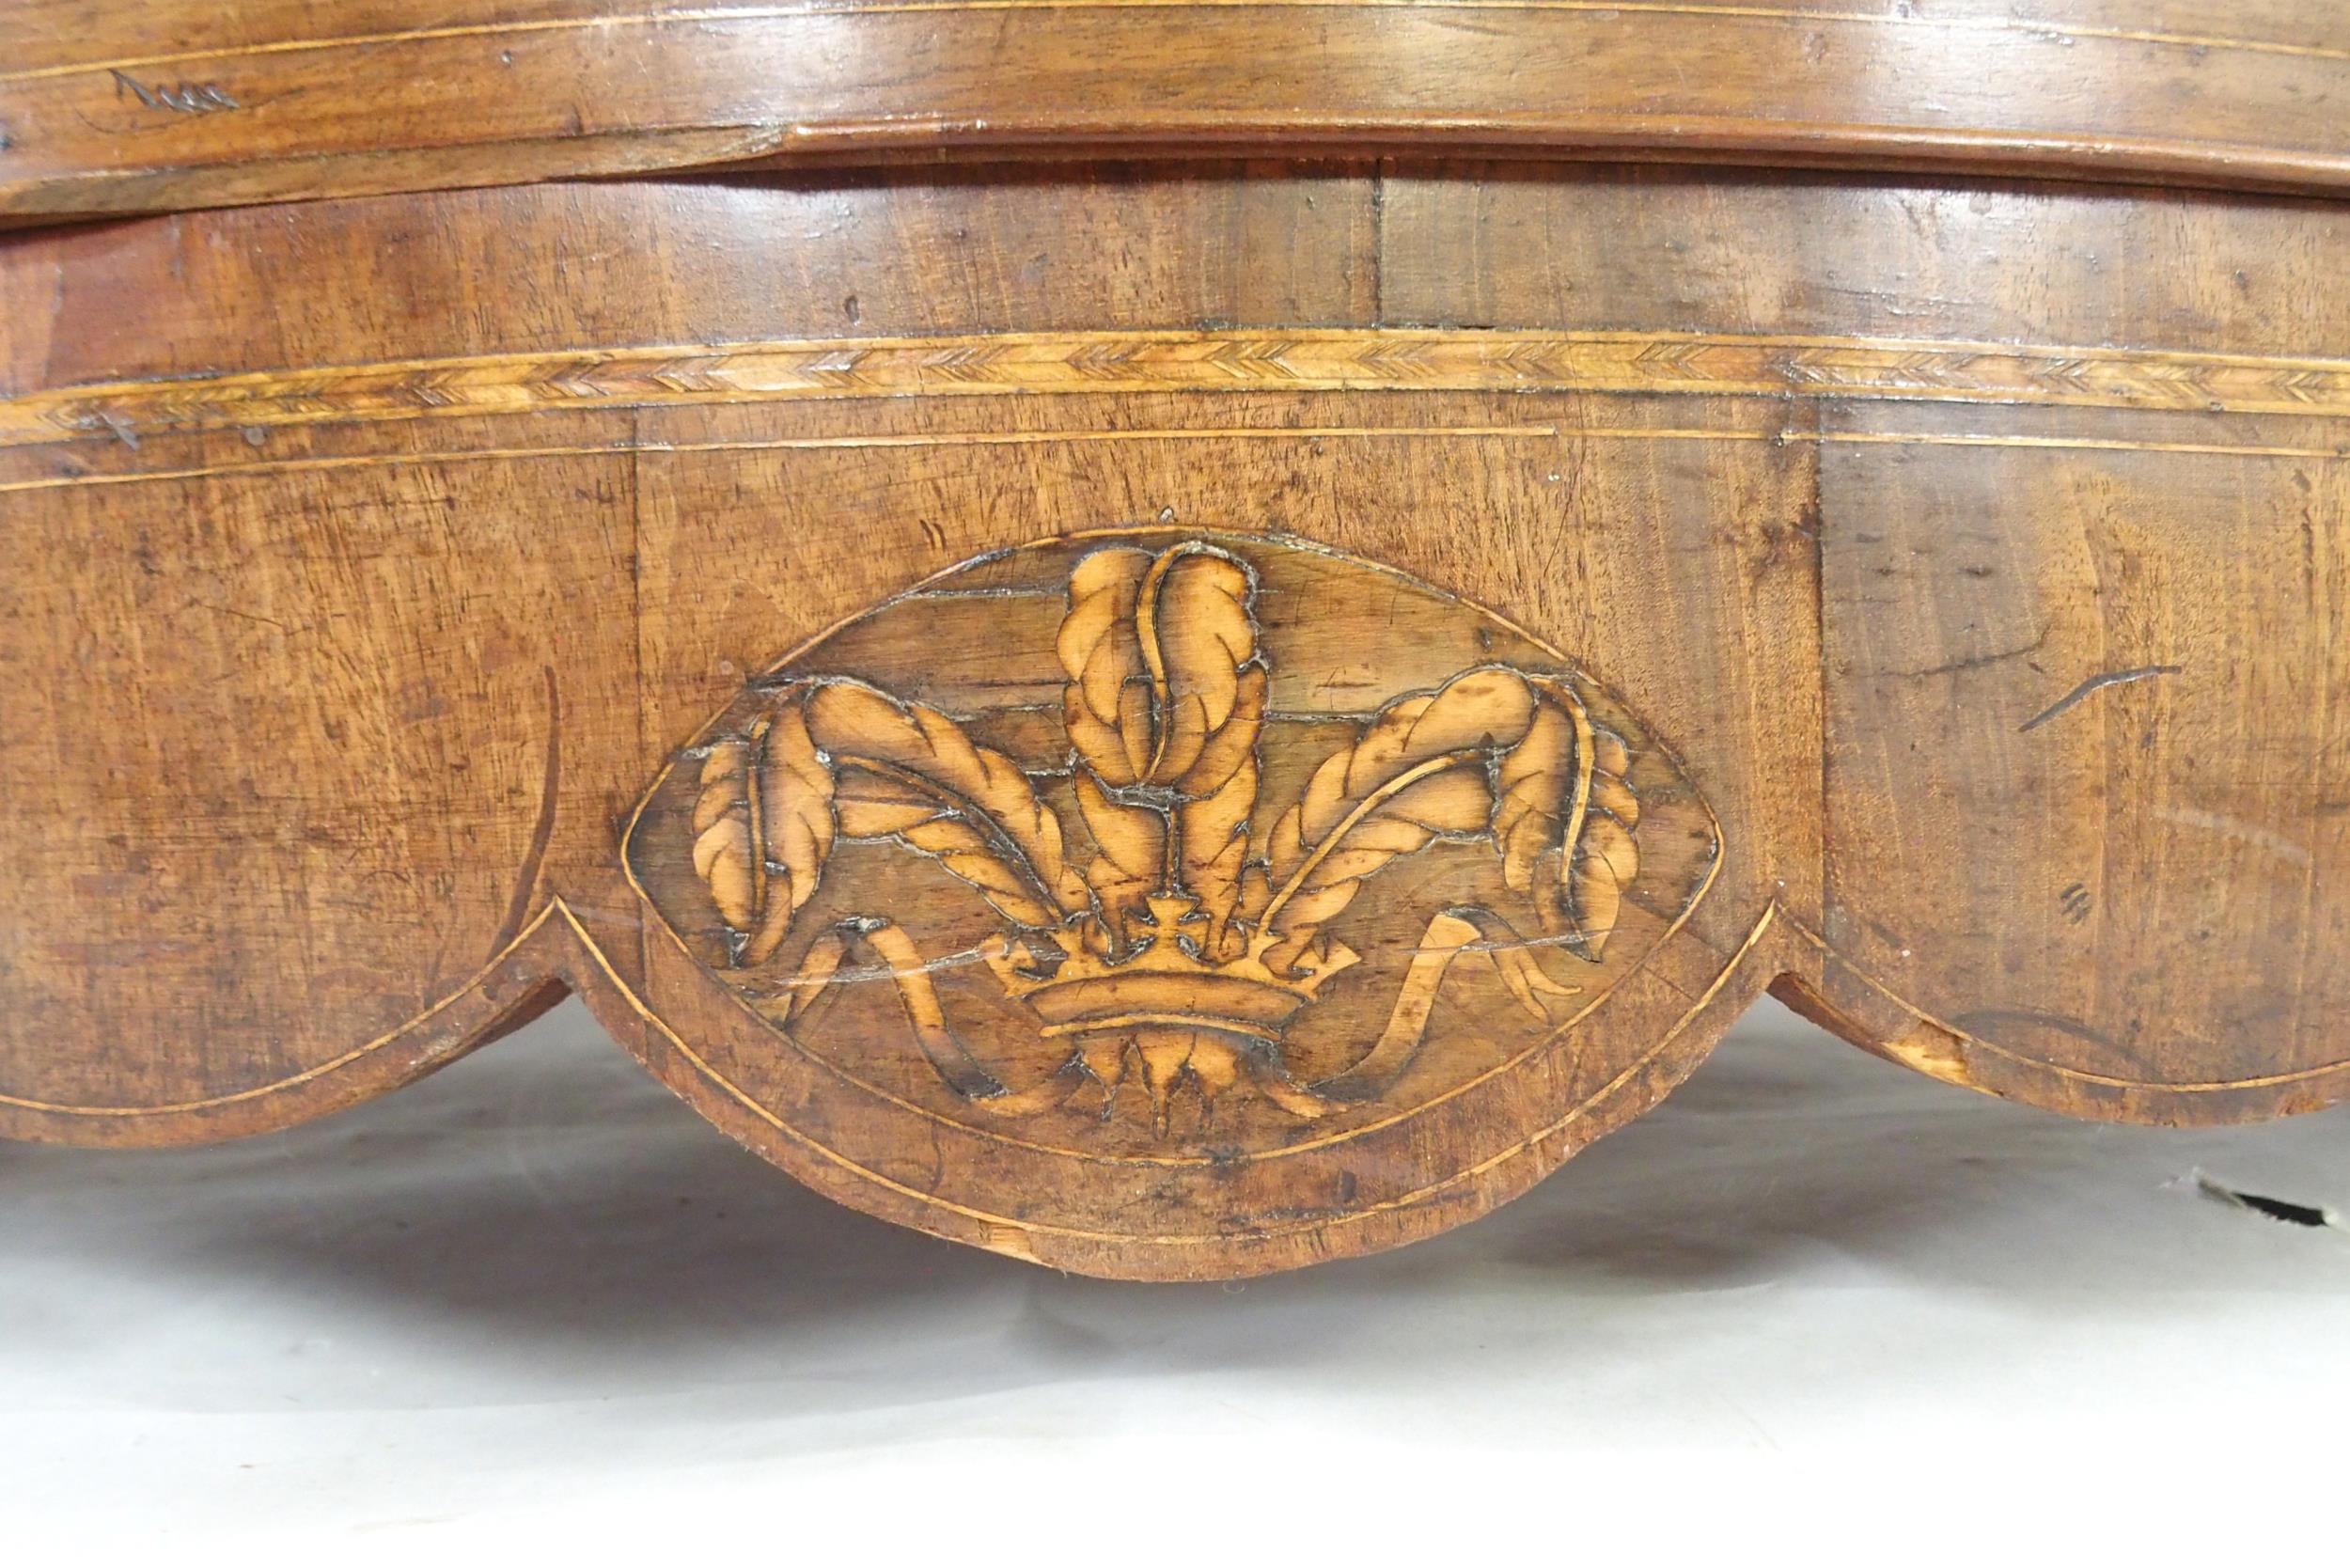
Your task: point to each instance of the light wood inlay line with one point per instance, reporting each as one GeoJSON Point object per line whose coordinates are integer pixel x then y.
{"type": "Point", "coordinates": [1245, 360]}
{"type": "Point", "coordinates": [1977, 1042]}
{"type": "Point", "coordinates": [309, 1074]}
{"type": "Point", "coordinates": [264, 467]}
{"type": "Point", "coordinates": [721, 15]}
{"type": "Point", "coordinates": [815, 442]}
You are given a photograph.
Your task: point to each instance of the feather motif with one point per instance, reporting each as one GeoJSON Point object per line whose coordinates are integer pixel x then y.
{"type": "Point", "coordinates": [1564, 814]}
{"type": "Point", "coordinates": [1602, 856]}
{"type": "Point", "coordinates": [1107, 703]}
{"type": "Point", "coordinates": [1160, 651]}
{"type": "Point", "coordinates": [1213, 837]}
{"type": "Point", "coordinates": [1164, 704]}
{"type": "Point", "coordinates": [909, 773]}
{"type": "Point", "coordinates": [763, 828]}
{"type": "Point", "coordinates": [1404, 782]}
{"type": "Point", "coordinates": [1129, 859]}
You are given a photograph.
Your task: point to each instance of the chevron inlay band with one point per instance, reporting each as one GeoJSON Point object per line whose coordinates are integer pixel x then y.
{"type": "Point", "coordinates": [1243, 360]}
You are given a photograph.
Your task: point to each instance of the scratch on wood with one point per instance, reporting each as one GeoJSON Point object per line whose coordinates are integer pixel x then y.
{"type": "Point", "coordinates": [2094, 685]}
{"type": "Point", "coordinates": [862, 973]}
{"type": "Point", "coordinates": [1978, 661]}
{"type": "Point", "coordinates": [187, 97]}
{"type": "Point", "coordinates": [279, 626]}
{"type": "Point", "coordinates": [2242, 832]}
{"type": "Point", "coordinates": [1984, 1022]}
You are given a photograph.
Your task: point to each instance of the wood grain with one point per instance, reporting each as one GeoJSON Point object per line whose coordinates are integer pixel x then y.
{"type": "Point", "coordinates": [105, 111]}
{"type": "Point", "coordinates": [419, 606]}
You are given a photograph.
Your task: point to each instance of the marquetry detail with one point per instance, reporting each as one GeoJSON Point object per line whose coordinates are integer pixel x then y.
{"type": "Point", "coordinates": [1162, 872]}
{"type": "Point", "coordinates": [1248, 360]}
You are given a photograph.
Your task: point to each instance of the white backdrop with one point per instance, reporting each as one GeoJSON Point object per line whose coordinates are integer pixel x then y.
{"type": "Point", "coordinates": [536, 1292]}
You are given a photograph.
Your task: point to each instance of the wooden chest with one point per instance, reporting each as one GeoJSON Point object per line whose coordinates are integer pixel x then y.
{"type": "Point", "coordinates": [1171, 638]}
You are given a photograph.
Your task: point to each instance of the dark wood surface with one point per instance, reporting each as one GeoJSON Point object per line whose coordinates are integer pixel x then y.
{"type": "Point", "coordinates": [1918, 592]}
{"type": "Point", "coordinates": [114, 107]}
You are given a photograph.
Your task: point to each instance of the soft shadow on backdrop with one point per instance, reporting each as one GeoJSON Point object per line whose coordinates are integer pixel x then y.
{"type": "Point", "coordinates": [536, 1276]}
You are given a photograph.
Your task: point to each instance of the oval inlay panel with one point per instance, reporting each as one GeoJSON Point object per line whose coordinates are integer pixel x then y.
{"type": "Point", "coordinates": [1100, 900]}
{"type": "Point", "coordinates": [1161, 844]}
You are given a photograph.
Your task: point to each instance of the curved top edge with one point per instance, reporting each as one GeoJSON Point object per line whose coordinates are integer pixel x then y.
{"type": "Point", "coordinates": [116, 116]}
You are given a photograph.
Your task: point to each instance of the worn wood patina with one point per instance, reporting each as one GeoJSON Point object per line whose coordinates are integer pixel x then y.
{"type": "Point", "coordinates": [1167, 666]}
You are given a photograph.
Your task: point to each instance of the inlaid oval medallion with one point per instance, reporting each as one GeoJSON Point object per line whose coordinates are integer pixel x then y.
{"type": "Point", "coordinates": [1169, 849]}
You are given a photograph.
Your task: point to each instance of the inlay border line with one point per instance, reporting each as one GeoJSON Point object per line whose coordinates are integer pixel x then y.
{"type": "Point", "coordinates": [721, 15]}
{"type": "Point", "coordinates": [1348, 359]}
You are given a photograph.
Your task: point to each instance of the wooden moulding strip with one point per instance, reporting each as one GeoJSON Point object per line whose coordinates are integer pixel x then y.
{"type": "Point", "coordinates": [1242, 360]}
